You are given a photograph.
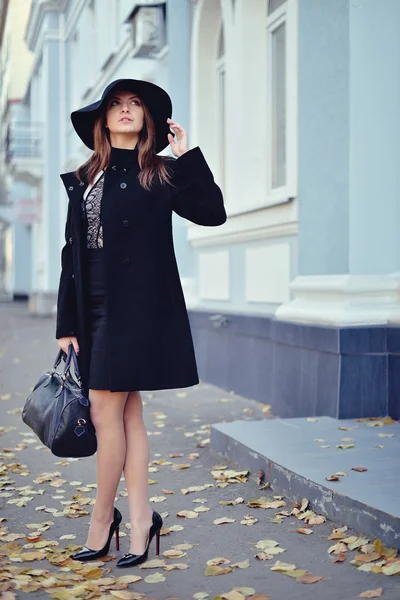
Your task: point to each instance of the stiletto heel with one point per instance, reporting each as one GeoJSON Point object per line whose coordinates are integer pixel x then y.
{"type": "Point", "coordinates": [89, 554]}
{"type": "Point", "coordinates": [158, 542]}
{"type": "Point", "coordinates": [117, 538]}
{"type": "Point", "coordinates": [129, 559]}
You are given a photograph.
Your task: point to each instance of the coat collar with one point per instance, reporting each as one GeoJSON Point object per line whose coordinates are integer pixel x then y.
{"type": "Point", "coordinates": [73, 186]}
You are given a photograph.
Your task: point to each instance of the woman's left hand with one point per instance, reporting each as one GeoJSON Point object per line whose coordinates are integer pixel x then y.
{"type": "Point", "coordinates": [180, 146]}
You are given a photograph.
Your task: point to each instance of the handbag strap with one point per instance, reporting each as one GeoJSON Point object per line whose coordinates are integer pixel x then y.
{"type": "Point", "coordinates": [71, 357]}
{"type": "Point", "coordinates": [59, 356]}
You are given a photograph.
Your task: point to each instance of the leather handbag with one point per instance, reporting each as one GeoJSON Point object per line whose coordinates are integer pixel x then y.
{"type": "Point", "coordinates": [58, 413]}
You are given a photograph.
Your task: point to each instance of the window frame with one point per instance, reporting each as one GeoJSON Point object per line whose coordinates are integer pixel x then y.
{"type": "Point", "coordinates": [220, 73]}
{"type": "Point", "coordinates": [285, 14]}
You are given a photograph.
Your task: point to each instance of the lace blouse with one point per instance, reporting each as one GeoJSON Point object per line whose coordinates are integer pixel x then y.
{"type": "Point", "coordinates": [122, 160]}
{"type": "Point", "coordinates": [91, 208]}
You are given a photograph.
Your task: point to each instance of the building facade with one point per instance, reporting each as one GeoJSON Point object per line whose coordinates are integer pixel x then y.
{"type": "Point", "coordinates": [294, 301]}
{"type": "Point", "coordinates": [17, 204]}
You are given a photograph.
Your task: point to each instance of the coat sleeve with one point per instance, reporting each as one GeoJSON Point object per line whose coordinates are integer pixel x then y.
{"type": "Point", "coordinates": [66, 324]}
{"type": "Point", "coordinates": [194, 194]}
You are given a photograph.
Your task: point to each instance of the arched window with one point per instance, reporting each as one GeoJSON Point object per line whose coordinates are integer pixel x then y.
{"type": "Point", "coordinates": [221, 94]}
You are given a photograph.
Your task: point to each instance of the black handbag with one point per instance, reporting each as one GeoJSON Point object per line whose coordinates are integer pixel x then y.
{"type": "Point", "coordinates": [58, 413]}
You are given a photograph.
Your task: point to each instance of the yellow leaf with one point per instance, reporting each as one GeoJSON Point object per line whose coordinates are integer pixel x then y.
{"type": "Point", "coordinates": [392, 569]}
{"type": "Point", "coordinates": [266, 544]}
{"type": "Point", "coordinates": [222, 520]}
{"type": "Point", "coordinates": [188, 514]}
{"type": "Point", "coordinates": [282, 566]}
{"type": "Point", "coordinates": [174, 566]}
{"type": "Point", "coordinates": [213, 570]}
{"type": "Point", "coordinates": [244, 564]}
{"type": "Point", "coordinates": [174, 553]}
{"type": "Point", "coordinates": [128, 579]}
{"type": "Point", "coordinates": [296, 573]}
{"type": "Point", "coordinates": [154, 578]}
{"type": "Point", "coordinates": [372, 593]}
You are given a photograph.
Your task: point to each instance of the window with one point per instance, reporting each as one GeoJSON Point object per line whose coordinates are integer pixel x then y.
{"type": "Point", "coordinates": [281, 100]}
{"type": "Point", "coordinates": [221, 67]}
{"type": "Point", "coordinates": [278, 129]}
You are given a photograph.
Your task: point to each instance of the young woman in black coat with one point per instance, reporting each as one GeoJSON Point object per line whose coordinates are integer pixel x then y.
{"type": "Point", "coordinates": [120, 300]}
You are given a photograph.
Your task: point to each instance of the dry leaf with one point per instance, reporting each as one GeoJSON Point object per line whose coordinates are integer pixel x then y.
{"type": "Point", "coordinates": [222, 520]}
{"type": "Point", "coordinates": [212, 570]}
{"type": "Point", "coordinates": [359, 469]}
{"type": "Point", "coordinates": [372, 593]}
{"type": "Point", "coordinates": [309, 578]}
{"type": "Point", "coordinates": [188, 514]}
{"type": "Point", "coordinates": [282, 566]}
{"type": "Point", "coordinates": [340, 558]}
{"type": "Point", "coordinates": [154, 578]}
{"type": "Point", "coordinates": [305, 531]}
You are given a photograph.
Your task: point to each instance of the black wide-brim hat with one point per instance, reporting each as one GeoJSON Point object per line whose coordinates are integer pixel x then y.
{"type": "Point", "coordinates": [155, 98]}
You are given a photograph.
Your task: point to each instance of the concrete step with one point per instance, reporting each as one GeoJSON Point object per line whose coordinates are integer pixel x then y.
{"type": "Point", "coordinates": [296, 466]}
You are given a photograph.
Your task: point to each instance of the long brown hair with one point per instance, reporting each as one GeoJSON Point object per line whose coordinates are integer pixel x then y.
{"type": "Point", "coordinates": [153, 168]}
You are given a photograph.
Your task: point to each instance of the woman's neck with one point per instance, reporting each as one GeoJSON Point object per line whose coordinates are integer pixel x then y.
{"type": "Point", "coordinates": [123, 141]}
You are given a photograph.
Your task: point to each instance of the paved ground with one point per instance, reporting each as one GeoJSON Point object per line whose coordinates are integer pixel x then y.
{"type": "Point", "coordinates": [178, 423]}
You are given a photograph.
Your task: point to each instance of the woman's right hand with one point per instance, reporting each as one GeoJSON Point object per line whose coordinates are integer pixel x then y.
{"type": "Point", "coordinates": [64, 342]}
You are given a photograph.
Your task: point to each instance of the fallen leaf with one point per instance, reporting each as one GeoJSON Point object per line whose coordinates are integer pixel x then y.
{"type": "Point", "coordinates": [282, 566]}
{"type": "Point", "coordinates": [392, 569]}
{"type": "Point", "coordinates": [359, 469]}
{"type": "Point", "coordinates": [154, 578]}
{"type": "Point", "coordinates": [309, 578]}
{"type": "Point", "coordinates": [372, 593]}
{"type": "Point", "coordinates": [212, 570]}
{"type": "Point", "coordinates": [188, 514]}
{"type": "Point", "coordinates": [222, 520]}
{"type": "Point", "coordinates": [340, 558]}
{"type": "Point", "coordinates": [305, 531]}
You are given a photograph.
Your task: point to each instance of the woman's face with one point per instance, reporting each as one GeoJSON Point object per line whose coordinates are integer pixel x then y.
{"type": "Point", "coordinates": [124, 113]}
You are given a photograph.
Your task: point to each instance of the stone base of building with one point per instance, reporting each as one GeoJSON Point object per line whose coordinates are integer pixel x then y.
{"type": "Point", "coordinates": [301, 369]}
{"type": "Point", "coordinates": [42, 303]}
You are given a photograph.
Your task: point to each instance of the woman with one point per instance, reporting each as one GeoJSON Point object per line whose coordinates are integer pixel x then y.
{"type": "Point", "coordinates": [120, 300]}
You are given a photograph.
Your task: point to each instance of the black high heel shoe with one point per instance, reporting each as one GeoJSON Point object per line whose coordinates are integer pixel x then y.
{"type": "Point", "coordinates": [129, 559]}
{"type": "Point", "coordinates": [88, 554]}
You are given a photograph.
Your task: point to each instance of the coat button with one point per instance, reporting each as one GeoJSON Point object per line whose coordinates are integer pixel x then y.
{"type": "Point", "coordinates": [81, 183]}
{"type": "Point", "coordinates": [125, 223]}
{"type": "Point", "coordinates": [70, 240]}
{"type": "Point", "coordinates": [73, 276]}
{"type": "Point", "coordinates": [123, 185]}
{"type": "Point", "coordinates": [71, 187]}
{"type": "Point", "coordinates": [114, 167]}
{"type": "Point", "coordinates": [127, 262]}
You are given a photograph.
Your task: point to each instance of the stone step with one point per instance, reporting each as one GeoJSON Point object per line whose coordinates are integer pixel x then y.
{"type": "Point", "coordinates": [296, 466]}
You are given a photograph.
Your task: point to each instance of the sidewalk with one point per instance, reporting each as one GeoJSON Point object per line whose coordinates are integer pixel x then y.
{"type": "Point", "coordinates": [242, 550]}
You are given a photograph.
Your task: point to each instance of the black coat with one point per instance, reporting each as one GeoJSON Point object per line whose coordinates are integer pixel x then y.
{"type": "Point", "coordinates": [149, 338]}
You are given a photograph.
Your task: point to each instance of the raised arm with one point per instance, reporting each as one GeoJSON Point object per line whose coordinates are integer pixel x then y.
{"type": "Point", "coordinates": [195, 195]}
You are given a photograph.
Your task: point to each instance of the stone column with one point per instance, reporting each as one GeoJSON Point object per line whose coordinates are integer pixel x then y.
{"type": "Point", "coordinates": [345, 304]}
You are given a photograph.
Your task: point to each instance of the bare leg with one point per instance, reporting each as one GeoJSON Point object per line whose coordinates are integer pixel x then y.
{"type": "Point", "coordinates": [106, 411]}
{"type": "Point", "coordinates": [136, 472]}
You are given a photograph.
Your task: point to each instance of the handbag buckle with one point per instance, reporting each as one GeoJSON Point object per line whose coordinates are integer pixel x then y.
{"type": "Point", "coordinates": [81, 421]}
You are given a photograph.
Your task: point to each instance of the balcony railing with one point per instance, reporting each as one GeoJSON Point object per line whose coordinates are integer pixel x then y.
{"type": "Point", "coordinates": [24, 140]}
